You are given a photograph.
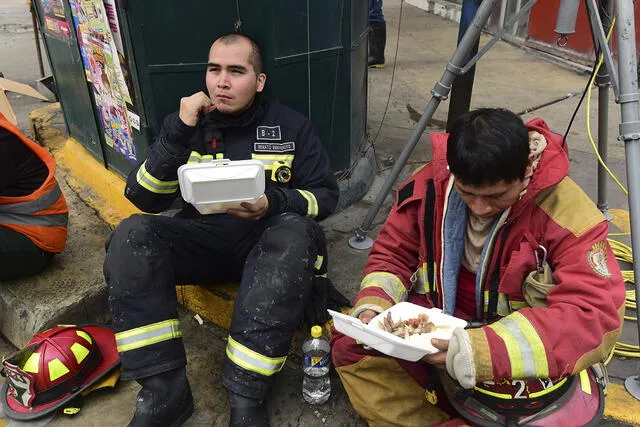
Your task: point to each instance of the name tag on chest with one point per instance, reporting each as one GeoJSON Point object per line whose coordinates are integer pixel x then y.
{"type": "Point", "coordinates": [272, 147]}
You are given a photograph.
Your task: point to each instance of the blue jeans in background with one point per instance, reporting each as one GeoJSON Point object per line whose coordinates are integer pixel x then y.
{"type": "Point", "coordinates": [375, 11]}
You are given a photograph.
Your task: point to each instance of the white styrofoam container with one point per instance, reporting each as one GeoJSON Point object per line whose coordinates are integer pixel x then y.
{"type": "Point", "coordinates": [216, 186]}
{"type": "Point", "coordinates": [412, 349]}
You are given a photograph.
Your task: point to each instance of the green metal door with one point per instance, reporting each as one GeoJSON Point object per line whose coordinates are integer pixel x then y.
{"type": "Point", "coordinates": [314, 51]}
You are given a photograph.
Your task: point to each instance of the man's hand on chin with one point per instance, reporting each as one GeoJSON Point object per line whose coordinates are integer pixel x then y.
{"type": "Point", "coordinates": [253, 211]}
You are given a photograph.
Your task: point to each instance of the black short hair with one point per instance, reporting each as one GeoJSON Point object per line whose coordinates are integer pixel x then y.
{"type": "Point", "coordinates": [255, 57]}
{"type": "Point", "coordinates": [488, 145]}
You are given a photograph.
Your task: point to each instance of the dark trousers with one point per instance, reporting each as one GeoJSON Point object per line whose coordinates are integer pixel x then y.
{"type": "Point", "coordinates": [375, 11]}
{"type": "Point", "coordinates": [147, 256]}
{"type": "Point", "coordinates": [19, 256]}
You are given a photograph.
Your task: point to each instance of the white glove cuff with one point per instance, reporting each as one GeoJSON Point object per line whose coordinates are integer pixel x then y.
{"type": "Point", "coordinates": [460, 363]}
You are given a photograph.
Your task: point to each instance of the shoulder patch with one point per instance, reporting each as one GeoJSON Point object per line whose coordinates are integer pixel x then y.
{"type": "Point", "coordinates": [405, 192]}
{"type": "Point", "coordinates": [570, 207]}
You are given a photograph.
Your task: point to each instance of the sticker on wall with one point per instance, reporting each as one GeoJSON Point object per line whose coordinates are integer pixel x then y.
{"type": "Point", "coordinates": [54, 18]}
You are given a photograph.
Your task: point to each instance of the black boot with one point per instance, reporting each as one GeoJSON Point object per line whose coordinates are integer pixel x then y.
{"type": "Point", "coordinates": [377, 42]}
{"type": "Point", "coordinates": [164, 400]}
{"type": "Point", "coordinates": [247, 412]}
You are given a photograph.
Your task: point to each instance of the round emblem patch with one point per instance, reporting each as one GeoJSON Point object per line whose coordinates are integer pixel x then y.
{"type": "Point", "coordinates": [597, 258]}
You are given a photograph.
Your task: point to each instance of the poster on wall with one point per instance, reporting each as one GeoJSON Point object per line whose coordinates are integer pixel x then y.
{"type": "Point", "coordinates": [54, 18]}
{"type": "Point", "coordinates": [103, 69]}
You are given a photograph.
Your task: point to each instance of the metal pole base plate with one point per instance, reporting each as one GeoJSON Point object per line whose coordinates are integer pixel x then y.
{"type": "Point", "coordinates": [632, 384]}
{"type": "Point", "coordinates": [360, 243]}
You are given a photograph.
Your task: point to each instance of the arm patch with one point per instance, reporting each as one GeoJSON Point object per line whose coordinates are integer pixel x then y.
{"type": "Point", "coordinates": [405, 192]}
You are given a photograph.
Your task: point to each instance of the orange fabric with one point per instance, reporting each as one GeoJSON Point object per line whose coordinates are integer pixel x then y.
{"type": "Point", "coordinates": [51, 239]}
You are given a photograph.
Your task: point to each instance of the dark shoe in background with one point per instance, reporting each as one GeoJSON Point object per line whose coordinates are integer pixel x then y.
{"type": "Point", "coordinates": [377, 43]}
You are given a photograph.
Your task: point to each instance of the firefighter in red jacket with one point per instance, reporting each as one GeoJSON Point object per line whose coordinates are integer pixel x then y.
{"type": "Point", "coordinates": [33, 211]}
{"type": "Point", "coordinates": [492, 230]}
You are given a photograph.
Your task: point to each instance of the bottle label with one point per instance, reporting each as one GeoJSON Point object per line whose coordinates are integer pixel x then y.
{"type": "Point", "coordinates": [316, 362]}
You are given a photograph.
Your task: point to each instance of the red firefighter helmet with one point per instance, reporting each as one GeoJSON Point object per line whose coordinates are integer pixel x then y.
{"type": "Point", "coordinates": [54, 367]}
{"type": "Point", "coordinates": [577, 400]}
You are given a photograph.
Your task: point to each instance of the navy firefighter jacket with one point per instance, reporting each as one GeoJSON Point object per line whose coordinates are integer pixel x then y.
{"type": "Point", "coordinates": [299, 177]}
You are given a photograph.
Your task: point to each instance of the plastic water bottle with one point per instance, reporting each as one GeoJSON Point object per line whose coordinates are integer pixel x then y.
{"type": "Point", "coordinates": [316, 386]}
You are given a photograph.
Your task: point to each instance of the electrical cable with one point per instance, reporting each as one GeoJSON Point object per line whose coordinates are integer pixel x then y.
{"type": "Point", "coordinates": [373, 141]}
{"type": "Point", "coordinates": [621, 251]}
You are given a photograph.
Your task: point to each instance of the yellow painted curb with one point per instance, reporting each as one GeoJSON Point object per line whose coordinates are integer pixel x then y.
{"type": "Point", "coordinates": [214, 303]}
{"type": "Point", "coordinates": [106, 193]}
{"type": "Point", "coordinates": [621, 406]}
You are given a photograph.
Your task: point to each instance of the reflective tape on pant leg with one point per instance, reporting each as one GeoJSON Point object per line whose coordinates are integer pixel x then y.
{"type": "Point", "coordinates": [148, 334]}
{"type": "Point", "coordinates": [252, 360]}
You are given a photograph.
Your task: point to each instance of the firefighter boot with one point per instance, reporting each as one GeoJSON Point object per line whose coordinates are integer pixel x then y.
{"type": "Point", "coordinates": [164, 400]}
{"type": "Point", "coordinates": [247, 412]}
{"type": "Point", "coordinates": [377, 42]}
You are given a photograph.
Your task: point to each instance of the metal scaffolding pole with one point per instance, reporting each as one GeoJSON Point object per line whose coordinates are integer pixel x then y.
{"type": "Point", "coordinates": [439, 93]}
{"type": "Point", "coordinates": [603, 83]}
{"type": "Point", "coordinates": [630, 134]}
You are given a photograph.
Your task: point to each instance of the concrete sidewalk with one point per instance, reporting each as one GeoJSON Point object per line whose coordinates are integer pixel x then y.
{"type": "Point", "coordinates": [418, 48]}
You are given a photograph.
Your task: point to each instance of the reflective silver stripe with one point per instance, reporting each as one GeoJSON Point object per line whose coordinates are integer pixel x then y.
{"type": "Point", "coordinates": [252, 360]}
{"type": "Point", "coordinates": [153, 184]}
{"type": "Point", "coordinates": [32, 206]}
{"type": "Point", "coordinates": [389, 283]}
{"type": "Point", "coordinates": [53, 220]}
{"type": "Point", "coordinates": [526, 352]}
{"type": "Point", "coordinates": [147, 335]}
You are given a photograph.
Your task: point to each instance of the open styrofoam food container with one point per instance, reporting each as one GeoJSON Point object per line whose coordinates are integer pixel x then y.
{"type": "Point", "coordinates": [413, 348]}
{"type": "Point", "coordinates": [214, 187]}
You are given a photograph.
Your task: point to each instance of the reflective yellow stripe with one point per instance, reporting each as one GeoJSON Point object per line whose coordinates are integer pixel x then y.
{"type": "Point", "coordinates": [389, 283]}
{"type": "Point", "coordinates": [151, 183]}
{"type": "Point", "coordinates": [57, 369]}
{"type": "Point", "coordinates": [312, 203]}
{"type": "Point", "coordinates": [539, 354]}
{"type": "Point", "coordinates": [79, 351]}
{"type": "Point", "coordinates": [525, 348]}
{"type": "Point", "coordinates": [219, 155]}
{"type": "Point", "coordinates": [318, 263]}
{"type": "Point", "coordinates": [517, 305]}
{"type": "Point", "coordinates": [196, 157]}
{"type": "Point", "coordinates": [252, 360]}
{"type": "Point", "coordinates": [585, 383]}
{"type": "Point", "coordinates": [503, 307]}
{"type": "Point", "coordinates": [548, 390]}
{"type": "Point", "coordinates": [513, 350]}
{"type": "Point", "coordinates": [493, 393]}
{"type": "Point", "coordinates": [33, 363]}
{"type": "Point", "coordinates": [84, 335]}
{"type": "Point", "coordinates": [147, 335]}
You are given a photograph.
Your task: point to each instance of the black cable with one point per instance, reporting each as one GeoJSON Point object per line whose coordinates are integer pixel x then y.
{"type": "Point", "coordinates": [345, 173]}
{"type": "Point", "coordinates": [584, 93]}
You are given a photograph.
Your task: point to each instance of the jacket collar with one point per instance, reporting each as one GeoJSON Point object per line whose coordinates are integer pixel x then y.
{"type": "Point", "coordinates": [553, 166]}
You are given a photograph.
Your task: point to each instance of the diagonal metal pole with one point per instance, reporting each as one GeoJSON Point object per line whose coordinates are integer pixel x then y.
{"type": "Point", "coordinates": [630, 133]}
{"type": "Point", "coordinates": [439, 93]}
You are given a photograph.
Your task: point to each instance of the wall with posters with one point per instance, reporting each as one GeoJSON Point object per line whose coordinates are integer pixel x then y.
{"type": "Point", "coordinates": [102, 52]}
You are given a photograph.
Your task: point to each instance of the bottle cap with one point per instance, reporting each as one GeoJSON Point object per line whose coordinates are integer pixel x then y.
{"type": "Point", "coordinates": [316, 331]}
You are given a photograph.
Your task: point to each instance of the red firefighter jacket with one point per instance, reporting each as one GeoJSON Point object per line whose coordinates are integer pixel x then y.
{"type": "Point", "coordinates": [420, 246]}
{"type": "Point", "coordinates": [42, 216]}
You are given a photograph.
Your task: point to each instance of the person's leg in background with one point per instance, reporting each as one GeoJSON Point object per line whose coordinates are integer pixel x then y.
{"type": "Point", "coordinates": [19, 256]}
{"type": "Point", "coordinates": [377, 35]}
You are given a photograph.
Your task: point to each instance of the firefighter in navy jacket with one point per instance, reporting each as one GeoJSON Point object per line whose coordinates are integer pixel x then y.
{"type": "Point", "coordinates": [273, 246]}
